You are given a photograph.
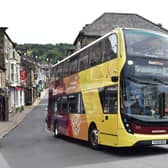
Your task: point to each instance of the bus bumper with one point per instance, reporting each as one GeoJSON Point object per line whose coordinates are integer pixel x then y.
{"type": "Point", "coordinates": [127, 140]}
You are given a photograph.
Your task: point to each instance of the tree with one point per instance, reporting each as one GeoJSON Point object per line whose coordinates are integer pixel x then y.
{"type": "Point", "coordinates": [53, 52]}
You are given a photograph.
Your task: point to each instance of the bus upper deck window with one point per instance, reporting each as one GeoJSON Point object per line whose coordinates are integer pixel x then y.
{"type": "Point", "coordinates": [110, 47]}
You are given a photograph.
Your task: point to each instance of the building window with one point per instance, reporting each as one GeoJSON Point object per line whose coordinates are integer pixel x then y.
{"type": "Point", "coordinates": [17, 76]}
{"type": "Point", "coordinates": [14, 54]}
{"type": "Point", "coordinates": [12, 72]}
{"type": "Point", "coordinates": [78, 45]}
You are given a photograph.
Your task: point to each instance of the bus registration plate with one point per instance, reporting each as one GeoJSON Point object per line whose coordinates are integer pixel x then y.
{"type": "Point", "coordinates": [159, 142]}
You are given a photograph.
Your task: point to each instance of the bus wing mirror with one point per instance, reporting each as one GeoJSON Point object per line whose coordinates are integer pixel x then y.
{"type": "Point", "coordinates": [114, 78]}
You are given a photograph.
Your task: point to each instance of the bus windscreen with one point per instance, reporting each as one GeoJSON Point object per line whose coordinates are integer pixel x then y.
{"type": "Point", "coordinates": [146, 44]}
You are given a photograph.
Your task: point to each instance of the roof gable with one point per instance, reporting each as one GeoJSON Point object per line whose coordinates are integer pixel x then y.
{"type": "Point", "coordinates": [108, 21]}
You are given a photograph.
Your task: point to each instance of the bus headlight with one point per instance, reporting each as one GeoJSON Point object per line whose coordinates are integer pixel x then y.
{"type": "Point", "coordinates": [130, 62]}
{"type": "Point", "coordinates": [127, 125]}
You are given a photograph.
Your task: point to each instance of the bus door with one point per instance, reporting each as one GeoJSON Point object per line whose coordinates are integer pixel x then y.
{"type": "Point", "coordinates": [109, 122]}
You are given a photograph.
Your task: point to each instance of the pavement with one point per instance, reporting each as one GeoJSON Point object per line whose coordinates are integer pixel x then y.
{"type": "Point", "coordinates": [16, 118]}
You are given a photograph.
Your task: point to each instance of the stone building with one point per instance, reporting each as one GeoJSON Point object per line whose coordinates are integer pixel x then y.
{"type": "Point", "coordinates": [35, 79]}
{"type": "Point", "coordinates": [3, 97]}
{"type": "Point", "coordinates": [2, 77]}
{"type": "Point", "coordinates": [29, 82]}
{"type": "Point", "coordinates": [10, 60]}
{"type": "Point", "coordinates": [108, 21]}
{"type": "Point", "coordinates": [4, 108]}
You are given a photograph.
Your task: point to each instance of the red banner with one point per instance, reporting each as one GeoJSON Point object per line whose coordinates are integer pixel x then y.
{"type": "Point", "coordinates": [19, 88]}
{"type": "Point", "coordinates": [22, 74]}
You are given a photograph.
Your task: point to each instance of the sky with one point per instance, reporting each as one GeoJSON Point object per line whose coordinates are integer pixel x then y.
{"type": "Point", "coordinates": [59, 21]}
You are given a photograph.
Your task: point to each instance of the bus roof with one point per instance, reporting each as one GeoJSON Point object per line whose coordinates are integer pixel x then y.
{"type": "Point", "coordinates": [78, 51]}
{"type": "Point", "coordinates": [99, 39]}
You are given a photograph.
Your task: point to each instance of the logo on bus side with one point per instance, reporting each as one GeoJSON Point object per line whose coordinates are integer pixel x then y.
{"type": "Point", "coordinates": [76, 121]}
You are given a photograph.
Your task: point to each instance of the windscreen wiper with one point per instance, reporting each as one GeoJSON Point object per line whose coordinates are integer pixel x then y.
{"type": "Point", "coordinates": [160, 81]}
{"type": "Point", "coordinates": [136, 80]}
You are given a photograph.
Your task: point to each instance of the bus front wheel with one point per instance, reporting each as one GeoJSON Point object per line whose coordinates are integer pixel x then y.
{"type": "Point", "coordinates": [93, 137]}
{"type": "Point", "coordinates": [55, 130]}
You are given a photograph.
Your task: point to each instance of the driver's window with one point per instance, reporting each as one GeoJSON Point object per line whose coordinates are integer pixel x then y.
{"type": "Point", "coordinates": [109, 100]}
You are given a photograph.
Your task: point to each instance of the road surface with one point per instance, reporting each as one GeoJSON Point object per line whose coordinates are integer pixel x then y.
{"type": "Point", "coordinates": [30, 146]}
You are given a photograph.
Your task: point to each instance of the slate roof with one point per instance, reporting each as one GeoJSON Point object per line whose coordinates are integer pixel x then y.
{"type": "Point", "coordinates": [108, 21]}
{"type": "Point", "coordinates": [3, 29]}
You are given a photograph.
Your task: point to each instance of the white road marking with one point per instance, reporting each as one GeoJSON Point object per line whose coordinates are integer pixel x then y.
{"type": "Point", "coordinates": [3, 162]}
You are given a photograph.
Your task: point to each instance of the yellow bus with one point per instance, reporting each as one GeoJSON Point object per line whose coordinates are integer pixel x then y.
{"type": "Point", "coordinates": [113, 91]}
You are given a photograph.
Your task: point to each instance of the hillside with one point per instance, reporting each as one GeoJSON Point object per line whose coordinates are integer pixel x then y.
{"type": "Point", "coordinates": [41, 52]}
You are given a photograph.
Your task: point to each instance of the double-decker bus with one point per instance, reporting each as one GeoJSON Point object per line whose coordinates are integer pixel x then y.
{"type": "Point", "coordinates": [113, 91]}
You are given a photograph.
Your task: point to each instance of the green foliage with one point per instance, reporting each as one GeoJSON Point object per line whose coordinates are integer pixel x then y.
{"type": "Point", "coordinates": [44, 52]}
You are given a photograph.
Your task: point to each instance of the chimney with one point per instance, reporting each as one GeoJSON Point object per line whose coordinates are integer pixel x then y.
{"type": "Point", "coordinates": [3, 29]}
{"type": "Point", "coordinates": [159, 24]}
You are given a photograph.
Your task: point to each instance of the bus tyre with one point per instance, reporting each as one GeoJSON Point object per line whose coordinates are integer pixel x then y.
{"type": "Point", "coordinates": [55, 130]}
{"type": "Point", "coordinates": [93, 138]}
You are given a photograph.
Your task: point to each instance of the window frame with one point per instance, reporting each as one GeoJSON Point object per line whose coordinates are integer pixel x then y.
{"type": "Point", "coordinates": [93, 52]}
{"type": "Point", "coordinates": [71, 64]}
{"type": "Point", "coordinates": [82, 58]}
{"type": "Point", "coordinates": [102, 95]}
{"type": "Point", "coordinates": [59, 71]}
{"type": "Point", "coordinates": [66, 68]}
{"type": "Point", "coordinates": [77, 102]}
{"type": "Point", "coordinates": [64, 102]}
{"type": "Point", "coordinates": [110, 57]}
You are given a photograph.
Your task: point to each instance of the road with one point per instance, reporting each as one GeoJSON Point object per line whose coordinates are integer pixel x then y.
{"type": "Point", "coordinates": [31, 146]}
